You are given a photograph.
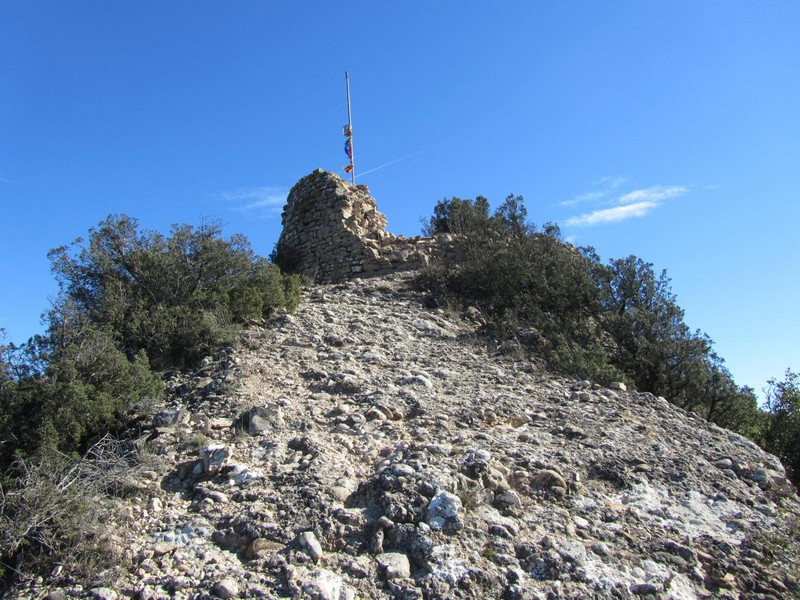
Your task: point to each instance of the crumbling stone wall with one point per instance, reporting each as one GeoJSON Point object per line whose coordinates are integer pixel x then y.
{"type": "Point", "coordinates": [332, 231]}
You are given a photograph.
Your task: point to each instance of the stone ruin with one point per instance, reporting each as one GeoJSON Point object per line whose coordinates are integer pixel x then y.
{"type": "Point", "coordinates": [332, 231]}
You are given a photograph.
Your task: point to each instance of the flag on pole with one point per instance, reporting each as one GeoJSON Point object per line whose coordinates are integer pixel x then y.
{"type": "Point", "coordinates": [348, 147]}
{"type": "Point", "coordinates": [348, 132]}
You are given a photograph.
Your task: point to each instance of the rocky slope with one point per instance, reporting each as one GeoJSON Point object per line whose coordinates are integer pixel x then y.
{"type": "Point", "coordinates": [367, 447]}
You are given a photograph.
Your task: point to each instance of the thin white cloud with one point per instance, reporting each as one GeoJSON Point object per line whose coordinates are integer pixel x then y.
{"type": "Point", "coordinates": [608, 185]}
{"type": "Point", "coordinates": [634, 204]}
{"type": "Point", "coordinates": [611, 182]}
{"type": "Point", "coordinates": [587, 197]}
{"type": "Point", "coordinates": [657, 193]}
{"type": "Point", "coordinates": [264, 201]}
{"type": "Point", "coordinates": [612, 215]}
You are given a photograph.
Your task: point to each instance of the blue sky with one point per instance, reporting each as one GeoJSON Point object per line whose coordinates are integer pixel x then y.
{"type": "Point", "coordinates": [668, 130]}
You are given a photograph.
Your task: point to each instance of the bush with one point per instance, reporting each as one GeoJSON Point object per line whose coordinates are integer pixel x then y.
{"type": "Point", "coordinates": [522, 280]}
{"type": "Point", "coordinates": [781, 434]}
{"type": "Point", "coordinates": [175, 297]}
{"type": "Point", "coordinates": [454, 215]}
{"type": "Point", "coordinates": [55, 513]}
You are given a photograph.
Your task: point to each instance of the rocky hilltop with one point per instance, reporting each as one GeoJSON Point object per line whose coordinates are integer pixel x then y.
{"type": "Point", "coordinates": [370, 447]}
{"type": "Point", "coordinates": [367, 447]}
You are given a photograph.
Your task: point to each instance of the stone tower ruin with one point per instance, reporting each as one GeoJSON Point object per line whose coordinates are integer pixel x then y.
{"type": "Point", "coordinates": [332, 231]}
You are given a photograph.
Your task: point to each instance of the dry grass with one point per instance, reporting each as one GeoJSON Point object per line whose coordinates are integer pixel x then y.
{"type": "Point", "coordinates": [56, 513]}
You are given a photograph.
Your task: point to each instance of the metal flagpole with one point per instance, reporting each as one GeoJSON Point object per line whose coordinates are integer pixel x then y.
{"type": "Point", "coordinates": [350, 130]}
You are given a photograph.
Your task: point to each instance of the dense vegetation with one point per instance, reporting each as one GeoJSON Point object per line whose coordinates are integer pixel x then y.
{"type": "Point", "coordinates": [603, 322]}
{"type": "Point", "coordinates": [132, 304]}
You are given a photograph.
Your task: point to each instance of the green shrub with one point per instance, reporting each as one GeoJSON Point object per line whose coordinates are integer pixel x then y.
{"type": "Point", "coordinates": [781, 434]}
{"type": "Point", "coordinates": [85, 390]}
{"type": "Point", "coordinates": [522, 280]}
{"type": "Point", "coordinates": [175, 297]}
{"type": "Point", "coordinates": [455, 215]}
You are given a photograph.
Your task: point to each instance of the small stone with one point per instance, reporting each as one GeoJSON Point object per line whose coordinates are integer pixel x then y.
{"type": "Point", "coordinates": [500, 532]}
{"type": "Point", "coordinates": [103, 593]}
{"type": "Point", "coordinates": [573, 431]}
{"type": "Point", "coordinates": [311, 544]}
{"type": "Point", "coordinates": [259, 548]}
{"type": "Point", "coordinates": [226, 588]}
{"type": "Point", "coordinates": [373, 414]}
{"type": "Point", "coordinates": [761, 477]}
{"type": "Point", "coordinates": [509, 500]}
{"type": "Point", "coordinates": [580, 522]}
{"type": "Point", "coordinates": [443, 510]}
{"type": "Point", "coordinates": [482, 454]}
{"type": "Point", "coordinates": [340, 493]}
{"type": "Point", "coordinates": [169, 417]}
{"type": "Point", "coordinates": [213, 457]}
{"type": "Point", "coordinates": [644, 589]}
{"type": "Point", "coordinates": [726, 580]}
{"type": "Point", "coordinates": [394, 565]}
{"type": "Point", "coordinates": [217, 497]}
{"type": "Point", "coordinates": [403, 470]}
{"type": "Point", "coordinates": [724, 463]}
{"type": "Point", "coordinates": [384, 522]}
{"type": "Point", "coordinates": [143, 554]}
{"type": "Point", "coordinates": [325, 585]}
{"type": "Point", "coordinates": [552, 481]}
{"type": "Point", "coordinates": [618, 386]}
{"type": "Point", "coordinates": [163, 548]}
{"type": "Point", "coordinates": [581, 396]}
{"type": "Point", "coordinates": [263, 420]}
{"type": "Point", "coordinates": [418, 380]}
{"type": "Point", "coordinates": [376, 542]}
{"type": "Point", "coordinates": [203, 383]}
{"type": "Point", "coordinates": [600, 548]}
{"type": "Point", "coordinates": [218, 423]}
{"type": "Point", "coordinates": [155, 505]}
{"type": "Point", "coordinates": [356, 420]}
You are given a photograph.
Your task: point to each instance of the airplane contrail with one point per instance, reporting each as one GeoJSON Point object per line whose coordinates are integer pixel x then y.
{"type": "Point", "coordinates": [391, 162]}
